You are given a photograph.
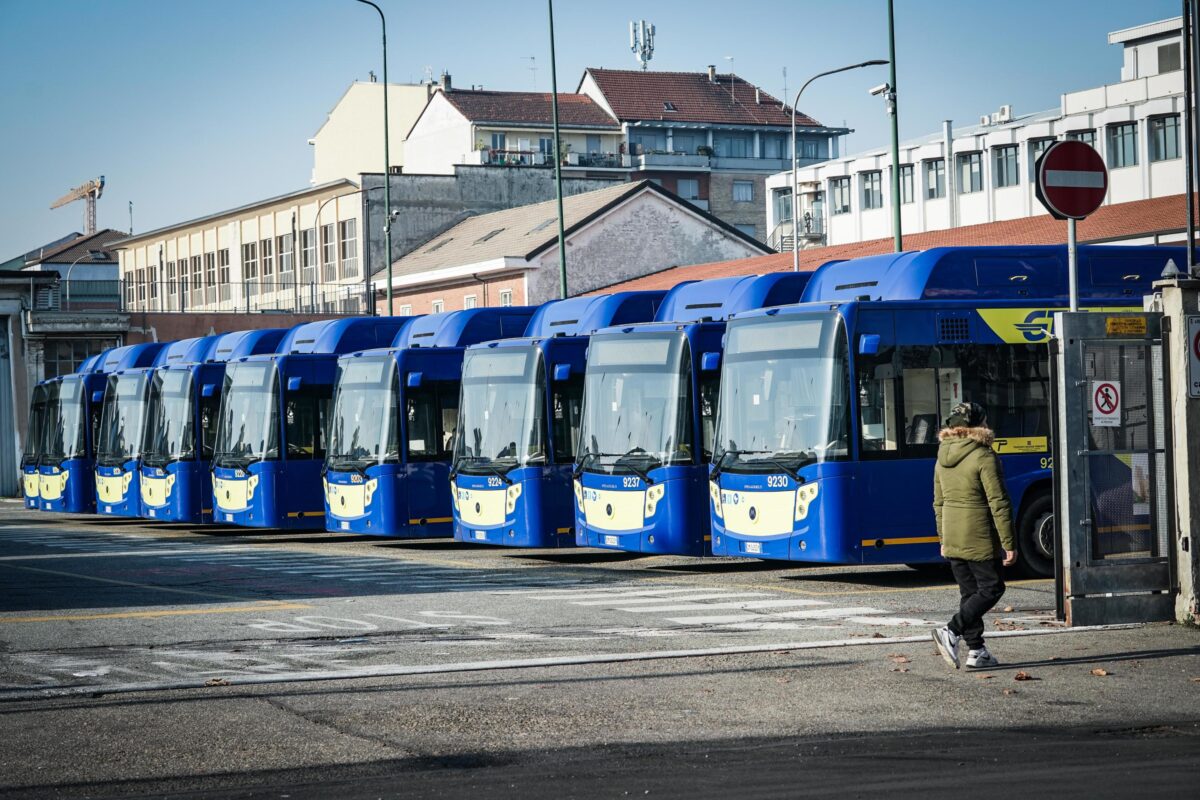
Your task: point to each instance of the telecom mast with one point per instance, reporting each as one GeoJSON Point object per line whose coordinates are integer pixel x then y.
{"type": "Point", "coordinates": [89, 192]}
{"type": "Point", "coordinates": [641, 41]}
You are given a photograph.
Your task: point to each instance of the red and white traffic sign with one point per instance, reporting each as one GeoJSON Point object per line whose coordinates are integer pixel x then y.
{"type": "Point", "coordinates": [1193, 327]}
{"type": "Point", "coordinates": [1071, 180]}
{"type": "Point", "coordinates": [1106, 404]}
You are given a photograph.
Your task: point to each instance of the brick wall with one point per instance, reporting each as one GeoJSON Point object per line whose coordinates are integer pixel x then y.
{"type": "Point", "coordinates": [168, 327]}
{"type": "Point", "coordinates": [453, 295]}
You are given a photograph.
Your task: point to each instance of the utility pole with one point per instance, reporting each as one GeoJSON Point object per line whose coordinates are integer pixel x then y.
{"type": "Point", "coordinates": [896, 234]}
{"type": "Point", "coordinates": [387, 164]}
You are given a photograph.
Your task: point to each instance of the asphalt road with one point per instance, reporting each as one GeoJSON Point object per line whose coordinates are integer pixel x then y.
{"type": "Point", "coordinates": [150, 659]}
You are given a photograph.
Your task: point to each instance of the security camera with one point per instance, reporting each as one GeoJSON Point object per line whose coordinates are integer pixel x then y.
{"type": "Point", "coordinates": [882, 88]}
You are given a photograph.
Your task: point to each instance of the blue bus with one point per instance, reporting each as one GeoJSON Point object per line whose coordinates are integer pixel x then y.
{"type": "Point", "coordinates": [74, 405]}
{"type": "Point", "coordinates": [122, 431]}
{"type": "Point", "coordinates": [181, 423]}
{"type": "Point", "coordinates": [829, 414]}
{"type": "Point", "coordinates": [649, 408]}
{"type": "Point", "coordinates": [270, 443]}
{"type": "Point", "coordinates": [394, 423]}
{"type": "Point", "coordinates": [31, 453]}
{"type": "Point", "coordinates": [519, 413]}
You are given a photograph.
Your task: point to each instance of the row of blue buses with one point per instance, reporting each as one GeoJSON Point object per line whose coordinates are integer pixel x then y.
{"type": "Point", "coordinates": [784, 416]}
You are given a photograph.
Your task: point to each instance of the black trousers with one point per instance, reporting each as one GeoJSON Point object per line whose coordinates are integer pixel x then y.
{"type": "Point", "coordinates": [980, 586]}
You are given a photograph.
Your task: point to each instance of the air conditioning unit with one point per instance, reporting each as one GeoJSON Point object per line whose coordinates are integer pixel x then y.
{"type": "Point", "coordinates": [1005, 113]}
{"type": "Point", "coordinates": [984, 119]}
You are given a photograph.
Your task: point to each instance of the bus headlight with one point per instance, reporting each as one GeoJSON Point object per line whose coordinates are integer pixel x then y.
{"type": "Point", "coordinates": [510, 496]}
{"type": "Point", "coordinates": [653, 495]}
{"type": "Point", "coordinates": [805, 495]}
{"type": "Point", "coordinates": [579, 494]}
{"type": "Point", "coordinates": [714, 491]}
{"type": "Point", "coordinates": [454, 494]}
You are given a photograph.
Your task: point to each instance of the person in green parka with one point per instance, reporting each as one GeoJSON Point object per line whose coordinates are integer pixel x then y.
{"type": "Point", "coordinates": [974, 525]}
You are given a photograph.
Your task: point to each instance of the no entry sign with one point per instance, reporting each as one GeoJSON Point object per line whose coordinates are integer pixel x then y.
{"type": "Point", "coordinates": [1193, 328]}
{"type": "Point", "coordinates": [1106, 404]}
{"type": "Point", "coordinates": [1071, 180]}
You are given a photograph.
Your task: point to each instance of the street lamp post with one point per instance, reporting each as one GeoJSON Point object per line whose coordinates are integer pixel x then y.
{"type": "Point", "coordinates": [387, 165]}
{"type": "Point", "coordinates": [562, 250]}
{"type": "Point", "coordinates": [795, 170]}
{"type": "Point", "coordinates": [94, 255]}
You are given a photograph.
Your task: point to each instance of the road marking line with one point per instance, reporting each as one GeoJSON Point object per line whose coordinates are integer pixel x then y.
{"type": "Point", "coordinates": [684, 601]}
{"type": "Point", "coordinates": [97, 554]}
{"type": "Point", "coordinates": [602, 594]}
{"type": "Point", "coordinates": [751, 604]}
{"type": "Point", "coordinates": [894, 621]}
{"type": "Point", "coordinates": [116, 582]}
{"type": "Point", "coordinates": [815, 613]}
{"type": "Point", "coordinates": [266, 605]}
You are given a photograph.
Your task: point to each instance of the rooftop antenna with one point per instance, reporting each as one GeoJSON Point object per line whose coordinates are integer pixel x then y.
{"type": "Point", "coordinates": [532, 68]}
{"type": "Point", "coordinates": [783, 104]}
{"type": "Point", "coordinates": [641, 41]}
{"type": "Point", "coordinates": [428, 73]}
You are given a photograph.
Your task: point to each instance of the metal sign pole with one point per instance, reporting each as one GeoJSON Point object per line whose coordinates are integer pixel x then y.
{"type": "Point", "coordinates": [1072, 277]}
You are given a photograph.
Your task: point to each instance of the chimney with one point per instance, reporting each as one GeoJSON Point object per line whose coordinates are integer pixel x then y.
{"type": "Point", "coordinates": [757, 95]}
{"type": "Point", "coordinates": [372, 75]}
{"type": "Point", "coordinates": [712, 73]}
{"type": "Point", "coordinates": [445, 82]}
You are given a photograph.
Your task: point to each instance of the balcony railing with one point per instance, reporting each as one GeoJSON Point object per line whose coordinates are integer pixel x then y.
{"type": "Point", "coordinates": [812, 231]}
{"type": "Point", "coordinates": [272, 294]}
{"type": "Point", "coordinates": [78, 295]}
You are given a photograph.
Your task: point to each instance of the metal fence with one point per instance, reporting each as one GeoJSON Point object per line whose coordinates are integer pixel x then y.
{"type": "Point", "coordinates": [78, 295]}
{"type": "Point", "coordinates": [264, 295]}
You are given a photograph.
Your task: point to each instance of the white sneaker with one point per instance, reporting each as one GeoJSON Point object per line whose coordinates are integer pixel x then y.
{"type": "Point", "coordinates": [947, 644]}
{"type": "Point", "coordinates": [981, 659]}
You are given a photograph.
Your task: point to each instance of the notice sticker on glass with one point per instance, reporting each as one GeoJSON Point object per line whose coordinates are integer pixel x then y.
{"type": "Point", "coordinates": [755, 399]}
{"type": "Point", "coordinates": [416, 444]}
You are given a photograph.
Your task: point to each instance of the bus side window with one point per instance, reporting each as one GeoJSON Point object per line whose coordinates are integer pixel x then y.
{"type": "Point", "coordinates": [566, 407]}
{"type": "Point", "coordinates": [877, 403]}
{"type": "Point", "coordinates": [431, 413]}
{"type": "Point", "coordinates": [448, 403]}
{"type": "Point", "coordinates": [710, 385]}
{"type": "Point", "coordinates": [304, 420]}
{"type": "Point", "coordinates": [209, 407]}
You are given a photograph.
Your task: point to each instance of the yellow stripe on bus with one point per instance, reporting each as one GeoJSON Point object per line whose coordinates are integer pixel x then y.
{"type": "Point", "coordinates": [1122, 528]}
{"type": "Point", "coordinates": [296, 514]}
{"type": "Point", "coordinates": [430, 520]}
{"type": "Point", "coordinates": [907, 540]}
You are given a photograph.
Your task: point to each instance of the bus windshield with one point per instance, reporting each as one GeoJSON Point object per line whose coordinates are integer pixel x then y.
{"type": "Point", "coordinates": [784, 393]}
{"type": "Point", "coordinates": [121, 421]}
{"type": "Point", "coordinates": [37, 417]}
{"type": "Point", "coordinates": [170, 430]}
{"type": "Point", "coordinates": [637, 406]}
{"type": "Point", "coordinates": [502, 415]}
{"type": "Point", "coordinates": [365, 427]}
{"type": "Point", "coordinates": [248, 422]}
{"type": "Point", "coordinates": [64, 434]}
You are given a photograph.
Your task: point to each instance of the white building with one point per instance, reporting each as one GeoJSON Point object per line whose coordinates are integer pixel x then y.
{"type": "Point", "coordinates": [985, 172]}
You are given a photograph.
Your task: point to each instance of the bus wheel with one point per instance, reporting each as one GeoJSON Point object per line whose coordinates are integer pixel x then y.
{"type": "Point", "coordinates": [1035, 536]}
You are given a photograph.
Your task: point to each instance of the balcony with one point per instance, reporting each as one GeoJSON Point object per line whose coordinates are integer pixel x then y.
{"type": "Point", "coordinates": [812, 232]}
{"type": "Point", "coordinates": [663, 160]}
{"type": "Point", "coordinates": [751, 164]}
{"type": "Point", "coordinates": [78, 295]}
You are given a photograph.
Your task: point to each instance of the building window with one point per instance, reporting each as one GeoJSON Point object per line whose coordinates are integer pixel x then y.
{"type": "Point", "coordinates": [223, 272]}
{"type": "Point", "coordinates": [268, 262]}
{"type": "Point", "coordinates": [171, 278]}
{"type": "Point", "coordinates": [250, 261]}
{"type": "Point", "coordinates": [1004, 166]}
{"type": "Point", "coordinates": [405, 310]}
{"type": "Point", "coordinates": [970, 173]}
{"type": "Point", "coordinates": [872, 189]}
{"type": "Point", "coordinates": [749, 230]}
{"type": "Point", "coordinates": [328, 253]}
{"type": "Point", "coordinates": [497, 141]}
{"type": "Point", "coordinates": [839, 195]}
{"type": "Point", "coordinates": [285, 246]}
{"type": "Point", "coordinates": [506, 297]}
{"type": "Point", "coordinates": [1164, 138]}
{"type": "Point", "coordinates": [546, 146]}
{"type": "Point", "coordinates": [808, 149]}
{"type": "Point", "coordinates": [773, 146]}
{"type": "Point", "coordinates": [743, 191]}
{"type": "Point", "coordinates": [437, 306]}
{"type": "Point", "coordinates": [348, 235]}
{"type": "Point", "coordinates": [308, 255]}
{"type": "Point", "coordinates": [469, 301]}
{"type": "Point", "coordinates": [210, 269]}
{"type": "Point", "coordinates": [1087, 136]}
{"type": "Point", "coordinates": [63, 356]}
{"type": "Point", "coordinates": [1036, 148]}
{"type": "Point", "coordinates": [688, 188]}
{"type": "Point", "coordinates": [1122, 145]}
{"type": "Point", "coordinates": [733, 146]}
{"type": "Point", "coordinates": [935, 179]}
{"type": "Point", "coordinates": [153, 282]}
{"type": "Point", "coordinates": [1168, 57]}
{"type": "Point", "coordinates": [906, 183]}
{"type": "Point", "coordinates": [197, 280]}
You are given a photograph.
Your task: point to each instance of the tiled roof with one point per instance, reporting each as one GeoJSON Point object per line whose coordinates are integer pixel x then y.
{"type": "Point", "coordinates": [523, 232]}
{"type": "Point", "coordinates": [78, 248]}
{"type": "Point", "coordinates": [637, 95]}
{"type": "Point", "coordinates": [1111, 223]}
{"type": "Point", "coordinates": [529, 108]}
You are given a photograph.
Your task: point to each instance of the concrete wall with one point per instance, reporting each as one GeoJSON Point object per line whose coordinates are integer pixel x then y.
{"type": "Point", "coordinates": [429, 204]}
{"type": "Point", "coordinates": [439, 140]}
{"type": "Point", "coordinates": [351, 140]}
{"type": "Point", "coordinates": [721, 203]}
{"type": "Point", "coordinates": [645, 235]}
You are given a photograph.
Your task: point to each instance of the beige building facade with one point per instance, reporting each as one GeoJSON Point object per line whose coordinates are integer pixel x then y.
{"type": "Point", "coordinates": [350, 142]}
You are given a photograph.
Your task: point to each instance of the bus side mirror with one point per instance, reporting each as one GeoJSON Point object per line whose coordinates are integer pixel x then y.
{"type": "Point", "coordinates": [710, 362]}
{"type": "Point", "coordinates": [562, 372]}
{"type": "Point", "coordinates": [868, 344]}
{"type": "Point", "coordinates": [413, 380]}
{"type": "Point", "coordinates": [98, 396]}
{"type": "Point", "coordinates": [294, 383]}
{"type": "Point", "coordinates": [208, 390]}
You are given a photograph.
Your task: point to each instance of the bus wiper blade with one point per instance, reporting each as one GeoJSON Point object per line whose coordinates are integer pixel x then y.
{"type": "Point", "coordinates": [644, 474]}
{"type": "Point", "coordinates": [488, 464]}
{"type": "Point", "coordinates": [581, 464]}
{"type": "Point", "coordinates": [719, 467]}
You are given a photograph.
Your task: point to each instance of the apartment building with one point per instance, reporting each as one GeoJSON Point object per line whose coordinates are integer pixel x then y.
{"type": "Point", "coordinates": [985, 172]}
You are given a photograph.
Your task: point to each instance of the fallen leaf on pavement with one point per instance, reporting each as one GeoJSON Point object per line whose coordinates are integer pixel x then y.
{"type": "Point", "coordinates": [1010, 691]}
{"type": "Point", "coordinates": [1054, 658]}
{"type": "Point", "coordinates": [985, 677]}
{"type": "Point", "coordinates": [1023, 676]}
{"type": "Point", "coordinates": [878, 635]}
{"type": "Point", "coordinates": [899, 669]}
{"type": "Point", "coordinates": [1100, 673]}
{"type": "Point", "coordinates": [1009, 609]}
{"type": "Point", "coordinates": [216, 682]}
{"type": "Point", "coordinates": [899, 659]}
{"type": "Point", "coordinates": [1196, 679]}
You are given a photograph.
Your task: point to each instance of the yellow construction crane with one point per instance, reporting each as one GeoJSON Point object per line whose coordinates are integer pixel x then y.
{"type": "Point", "coordinates": [89, 192]}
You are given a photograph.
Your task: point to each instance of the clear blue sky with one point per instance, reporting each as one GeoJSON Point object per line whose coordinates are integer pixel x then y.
{"type": "Point", "coordinates": [191, 107]}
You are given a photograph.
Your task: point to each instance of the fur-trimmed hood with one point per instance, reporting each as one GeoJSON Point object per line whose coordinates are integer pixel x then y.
{"type": "Point", "coordinates": [958, 443]}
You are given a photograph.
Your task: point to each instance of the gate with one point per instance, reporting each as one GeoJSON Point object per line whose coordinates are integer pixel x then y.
{"type": "Point", "coordinates": [1112, 494]}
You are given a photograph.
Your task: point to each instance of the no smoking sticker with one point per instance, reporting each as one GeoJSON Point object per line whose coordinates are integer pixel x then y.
{"type": "Point", "coordinates": [1106, 404]}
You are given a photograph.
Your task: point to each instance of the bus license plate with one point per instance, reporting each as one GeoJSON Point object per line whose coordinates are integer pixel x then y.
{"type": "Point", "coordinates": [480, 535]}
{"type": "Point", "coordinates": [229, 517]}
{"type": "Point", "coordinates": [345, 526]}
{"type": "Point", "coordinates": [612, 540]}
{"type": "Point", "coordinates": [753, 547]}
{"type": "Point", "coordinates": [151, 511]}
{"type": "Point", "coordinates": [108, 509]}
